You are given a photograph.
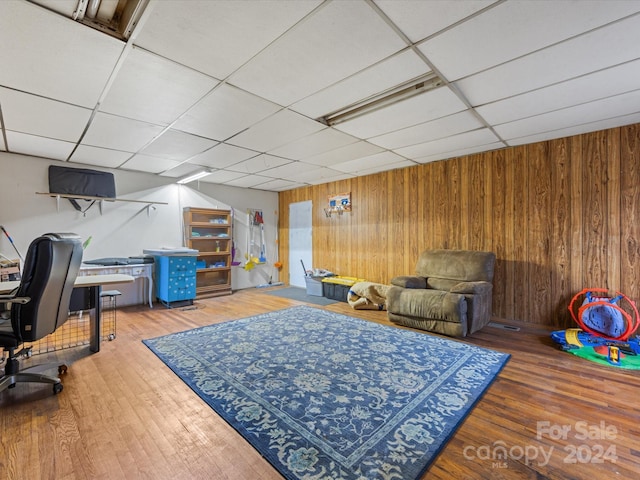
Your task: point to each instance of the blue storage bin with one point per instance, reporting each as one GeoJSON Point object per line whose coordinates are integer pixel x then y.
{"type": "Point", "coordinates": [175, 278]}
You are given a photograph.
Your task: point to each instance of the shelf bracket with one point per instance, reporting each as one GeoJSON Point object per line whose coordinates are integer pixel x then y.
{"type": "Point", "coordinates": [148, 204]}
{"type": "Point", "coordinates": [149, 208]}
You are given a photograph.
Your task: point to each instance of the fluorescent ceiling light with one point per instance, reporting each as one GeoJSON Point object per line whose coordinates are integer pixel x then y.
{"type": "Point", "coordinates": [117, 18]}
{"type": "Point", "coordinates": [194, 176]}
{"type": "Point", "coordinates": [396, 94]}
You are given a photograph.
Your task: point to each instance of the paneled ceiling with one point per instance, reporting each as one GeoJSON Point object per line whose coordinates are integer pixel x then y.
{"type": "Point", "coordinates": [242, 87]}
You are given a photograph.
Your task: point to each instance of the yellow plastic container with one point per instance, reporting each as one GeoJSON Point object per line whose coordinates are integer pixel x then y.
{"type": "Point", "coordinates": [337, 288]}
{"type": "Point", "coordinates": [348, 281]}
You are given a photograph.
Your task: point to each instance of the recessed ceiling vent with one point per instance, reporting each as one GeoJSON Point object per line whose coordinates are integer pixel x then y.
{"type": "Point", "coordinates": [117, 18]}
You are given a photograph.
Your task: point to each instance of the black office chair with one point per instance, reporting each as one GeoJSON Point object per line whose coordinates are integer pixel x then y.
{"type": "Point", "coordinates": [41, 303]}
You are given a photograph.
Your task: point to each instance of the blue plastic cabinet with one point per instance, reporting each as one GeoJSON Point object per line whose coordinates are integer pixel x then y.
{"type": "Point", "coordinates": [175, 278]}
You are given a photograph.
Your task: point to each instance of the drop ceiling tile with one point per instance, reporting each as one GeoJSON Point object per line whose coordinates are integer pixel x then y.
{"type": "Point", "coordinates": [277, 130]}
{"type": "Point", "coordinates": [2, 145]}
{"type": "Point", "coordinates": [572, 87]}
{"type": "Point", "coordinates": [119, 133]}
{"type": "Point", "coordinates": [425, 132]}
{"type": "Point", "coordinates": [64, 7]}
{"type": "Point", "coordinates": [102, 157]}
{"type": "Point", "coordinates": [222, 155]}
{"type": "Point", "coordinates": [372, 161]}
{"type": "Point", "coordinates": [591, 52]}
{"type": "Point", "coordinates": [38, 146]}
{"type": "Point", "coordinates": [153, 89]}
{"type": "Point", "coordinates": [412, 111]}
{"type": "Point", "coordinates": [147, 163]}
{"type": "Point", "coordinates": [217, 37]}
{"type": "Point", "coordinates": [418, 20]}
{"type": "Point", "coordinates": [386, 167]}
{"type": "Point", "coordinates": [46, 54]}
{"type": "Point", "coordinates": [522, 24]}
{"type": "Point", "coordinates": [289, 170]}
{"type": "Point", "coordinates": [258, 164]}
{"type": "Point", "coordinates": [314, 144]}
{"type": "Point", "coordinates": [278, 185]}
{"type": "Point", "coordinates": [343, 154]}
{"type": "Point", "coordinates": [224, 112]}
{"type": "Point", "coordinates": [389, 73]}
{"type": "Point", "coordinates": [182, 170]}
{"type": "Point", "coordinates": [338, 40]}
{"type": "Point", "coordinates": [624, 104]}
{"type": "Point", "coordinates": [222, 176]}
{"type": "Point", "coordinates": [578, 129]}
{"type": "Point", "coordinates": [482, 136]}
{"type": "Point", "coordinates": [321, 175]}
{"type": "Point", "coordinates": [594, 86]}
{"type": "Point", "coordinates": [40, 116]}
{"type": "Point", "coordinates": [176, 145]}
{"type": "Point", "coordinates": [461, 152]}
{"type": "Point", "coordinates": [248, 181]}
{"type": "Point", "coordinates": [330, 178]}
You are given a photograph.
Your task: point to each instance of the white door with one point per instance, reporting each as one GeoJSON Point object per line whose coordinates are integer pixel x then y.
{"type": "Point", "coordinates": [300, 244]}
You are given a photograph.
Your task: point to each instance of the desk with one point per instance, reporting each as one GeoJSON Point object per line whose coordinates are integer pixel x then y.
{"type": "Point", "coordinates": [85, 296]}
{"type": "Point", "coordinates": [141, 270]}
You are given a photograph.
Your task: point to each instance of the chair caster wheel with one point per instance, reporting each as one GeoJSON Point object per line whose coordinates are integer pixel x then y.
{"type": "Point", "coordinates": [111, 337]}
{"type": "Point", "coordinates": [57, 388]}
{"type": "Point", "coordinates": [62, 369]}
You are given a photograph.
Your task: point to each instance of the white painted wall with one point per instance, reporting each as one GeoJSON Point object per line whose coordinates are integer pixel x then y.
{"type": "Point", "coordinates": [300, 241]}
{"type": "Point", "coordinates": [124, 229]}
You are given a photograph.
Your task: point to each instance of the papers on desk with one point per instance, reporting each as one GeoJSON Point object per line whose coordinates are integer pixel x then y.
{"type": "Point", "coordinates": [170, 251]}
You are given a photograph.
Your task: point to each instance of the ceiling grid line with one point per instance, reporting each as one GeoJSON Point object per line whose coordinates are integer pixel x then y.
{"type": "Point", "coordinates": [434, 69]}
{"type": "Point", "coordinates": [242, 88]}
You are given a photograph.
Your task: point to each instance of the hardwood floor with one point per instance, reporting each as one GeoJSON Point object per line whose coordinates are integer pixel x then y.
{"type": "Point", "coordinates": [124, 415]}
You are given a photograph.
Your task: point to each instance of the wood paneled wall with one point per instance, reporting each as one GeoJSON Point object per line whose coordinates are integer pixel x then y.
{"type": "Point", "coordinates": [561, 215]}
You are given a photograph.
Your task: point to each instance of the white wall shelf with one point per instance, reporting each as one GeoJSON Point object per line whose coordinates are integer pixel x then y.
{"type": "Point", "coordinates": [100, 200]}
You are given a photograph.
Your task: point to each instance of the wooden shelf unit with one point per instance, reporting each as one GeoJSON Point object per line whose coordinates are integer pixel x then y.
{"type": "Point", "coordinates": [209, 232]}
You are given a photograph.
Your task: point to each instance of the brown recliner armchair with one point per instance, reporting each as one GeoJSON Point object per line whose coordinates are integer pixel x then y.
{"type": "Point", "coordinates": [450, 294]}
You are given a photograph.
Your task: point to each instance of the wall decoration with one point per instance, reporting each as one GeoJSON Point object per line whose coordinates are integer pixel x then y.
{"type": "Point", "coordinates": [338, 203]}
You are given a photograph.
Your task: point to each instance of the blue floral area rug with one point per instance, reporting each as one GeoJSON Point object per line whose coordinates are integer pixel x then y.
{"type": "Point", "coordinates": [326, 396]}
